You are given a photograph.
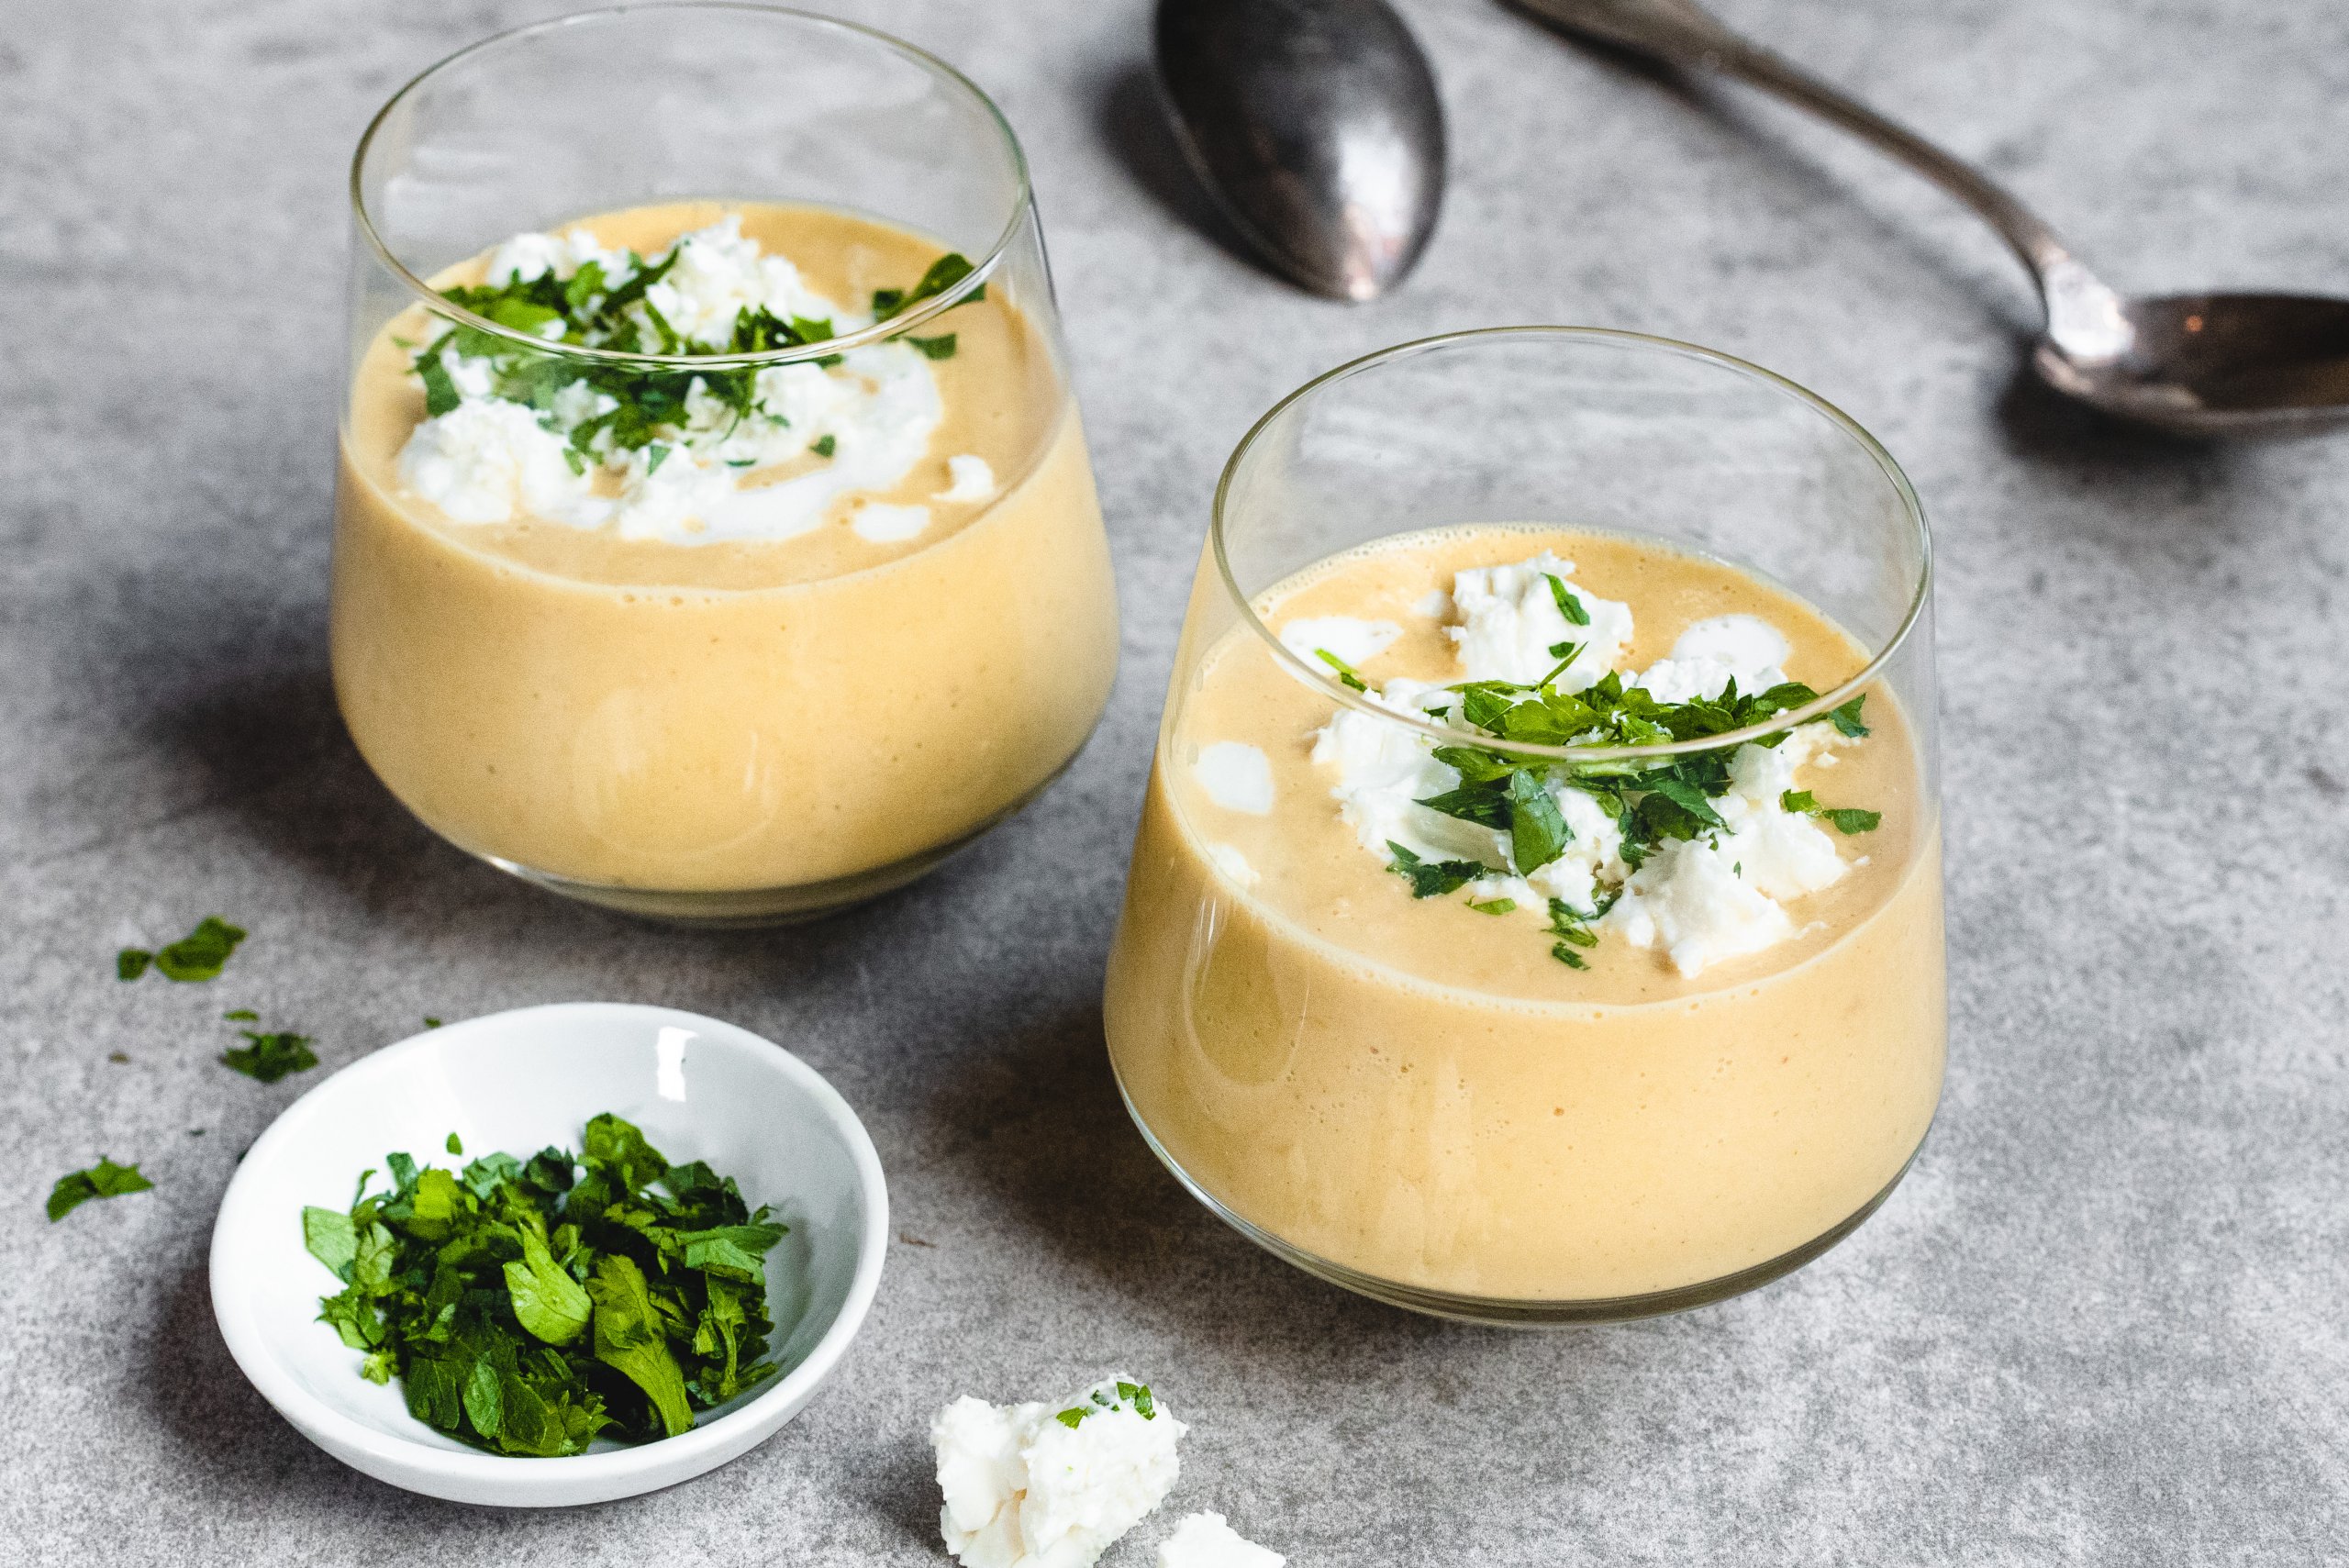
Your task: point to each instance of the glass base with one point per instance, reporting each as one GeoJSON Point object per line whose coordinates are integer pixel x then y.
{"type": "Point", "coordinates": [751, 909]}
{"type": "Point", "coordinates": [1508, 1312]}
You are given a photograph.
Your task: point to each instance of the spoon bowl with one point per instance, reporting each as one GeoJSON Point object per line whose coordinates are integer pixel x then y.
{"type": "Point", "coordinates": [2216, 364]}
{"type": "Point", "coordinates": [1315, 126]}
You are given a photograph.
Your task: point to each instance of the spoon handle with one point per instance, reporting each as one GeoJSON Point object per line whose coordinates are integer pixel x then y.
{"type": "Point", "coordinates": [1681, 33]}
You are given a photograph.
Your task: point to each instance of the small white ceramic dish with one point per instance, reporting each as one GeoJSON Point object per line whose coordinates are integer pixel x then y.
{"type": "Point", "coordinates": [519, 1082]}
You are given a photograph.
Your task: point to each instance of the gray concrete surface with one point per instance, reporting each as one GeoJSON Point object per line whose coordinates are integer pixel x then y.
{"type": "Point", "coordinates": [2102, 1323]}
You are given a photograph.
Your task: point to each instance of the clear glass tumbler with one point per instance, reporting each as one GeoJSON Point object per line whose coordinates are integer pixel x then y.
{"type": "Point", "coordinates": [1406, 1089]}
{"type": "Point", "coordinates": [764, 647]}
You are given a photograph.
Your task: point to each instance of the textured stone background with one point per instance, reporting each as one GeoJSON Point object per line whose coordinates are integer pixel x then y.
{"type": "Point", "coordinates": [2103, 1322]}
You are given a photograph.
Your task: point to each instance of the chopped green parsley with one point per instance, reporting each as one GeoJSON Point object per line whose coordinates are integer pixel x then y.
{"type": "Point", "coordinates": [201, 954]}
{"type": "Point", "coordinates": [1131, 1395]}
{"type": "Point", "coordinates": [1654, 804]}
{"type": "Point", "coordinates": [528, 1306]}
{"type": "Point", "coordinates": [105, 1178]}
{"type": "Point", "coordinates": [271, 1056]}
{"type": "Point", "coordinates": [649, 408]}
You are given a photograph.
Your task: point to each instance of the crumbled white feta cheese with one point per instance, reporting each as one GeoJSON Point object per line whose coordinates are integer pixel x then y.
{"type": "Point", "coordinates": [1383, 770]}
{"type": "Point", "coordinates": [1027, 1488]}
{"type": "Point", "coordinates": [528, 256]}
{"type": "Point", "coordinates": [969, 480]}
{"type": "Point", "coordinates": [1207, 1541]}
{"type": "Point", "coordinates": [1356, 641]}
{"type": "Point", "coordinates": [874, 413]}
{"type": "Point", "coordinates": [1235, 776]}
{"type": "Point", "coordinates": [1689, 899]}
{"type": "Point", "coordinates": [1509, 619]}
{"type": "Point", "coordinates": [487, 459]}
{"type": "Point", "coordinates": [1712, 653]}
{"type": "Point", "coordinates": [721, 272]}
{"type": "Point", "coordinates": [1708, 899]}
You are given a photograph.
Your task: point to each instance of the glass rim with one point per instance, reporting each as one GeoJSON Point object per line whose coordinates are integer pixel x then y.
{"type": "Point", "coordinates": [1023, 199]}
{"type": "Point", "coordinates": [1818, 708]}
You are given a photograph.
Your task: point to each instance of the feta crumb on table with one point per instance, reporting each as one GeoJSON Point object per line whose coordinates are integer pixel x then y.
{"type": "Point", "coordinates": [1051, 1484]}
{"type": "Point", "coordinates": [1206, 1540]}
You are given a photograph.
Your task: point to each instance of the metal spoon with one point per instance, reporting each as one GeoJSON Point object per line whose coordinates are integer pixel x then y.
{"type": "Point", "coordinates": [2198, 364]}
{"type": "Point", "coordinates": [1315, 126]}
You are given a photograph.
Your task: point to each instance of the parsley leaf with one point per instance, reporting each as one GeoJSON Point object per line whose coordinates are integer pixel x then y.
{"type": "Point", "coordinates": [1347, 673]}
{"type": "Point", "coordinates": [1485, 804]}
{"type": "Point", "coordinates": [1493, 906]}
{"type": "Point", "coordinates": [1433, 879]}
{"type": "Point", "coordinates": [1568, 606]}
{"type": "Point", "coordinates": [547, 1300]}
{"type": "Point", "coordinates": [1848, 820]}
{"type": "Point", "coordinates": [940, 347]}
{"type": "Point", "coordinates": [528, 1307]}
{"type": "Point", "coordinates": [1572, 928]}
{"type": "Point", "coordinates": [440, 391]}
{"type": "Point", "coordinates": [824, 446]}
{"type": "Point", "coordinates": [105, 1178]}
{"type": "Point", "coordinates": [199, 955]}
{"type": "Point", "coordinates": [270, 1057]}
{"type": "Point", "coordinates": [943, 274]}
{"type": "Point", "coordinates": [1846, 718]}
{"type": "Point", "coordinates": [1538, 833]}
{"type": "Point", "coordinates": [628, 1338]}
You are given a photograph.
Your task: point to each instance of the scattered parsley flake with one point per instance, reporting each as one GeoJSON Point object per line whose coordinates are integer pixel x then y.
{"type": "Point", "coordinates": [455, 1145]}
{"type": "Point", "coordinates": [824, 446]}
{"type": "Point", "coordinates": [1538, 832]}
{"type": "Point", "coordinates": [199, 955]}
{"type": "Point", "coordinates": [940, 347]}
{"type": "Point", "coordinates": [270, 1057]}
{"type": "Point", "coordinates": [440, 391]}
{"type": "Point", "coordinates": [1347, 673]}
{"type": "Point", "coordinates": [105, 1178]}
{"type": "Point", "coordinates": [1568, 606]}
{"type": "Point", "coordinates": [943, 274]}
{"type": "Point", "coordinates": [1433, 879]}
{"type": "Point", "coordinates": [1493, 906]}
{"type": "Point", "coordinates": [1847, 819]}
